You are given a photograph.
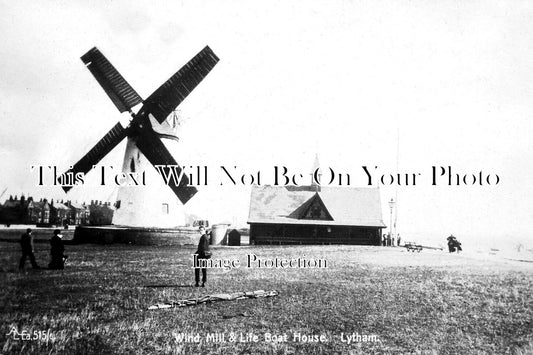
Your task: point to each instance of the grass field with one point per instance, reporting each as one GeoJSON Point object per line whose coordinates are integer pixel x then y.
{"type": "Point", "coordinates": [430, 302]}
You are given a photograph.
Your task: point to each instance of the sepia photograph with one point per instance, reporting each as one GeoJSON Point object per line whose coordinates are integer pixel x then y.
{"type": "Point", "coordinates": [266, 177]}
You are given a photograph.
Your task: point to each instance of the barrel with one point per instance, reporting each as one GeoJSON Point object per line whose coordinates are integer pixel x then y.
{"type": "Point", "coordinates": [218, 234]}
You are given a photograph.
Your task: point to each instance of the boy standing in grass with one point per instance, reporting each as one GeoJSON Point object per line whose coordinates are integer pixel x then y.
{"type": "Point", "coordinates": [203, 253]}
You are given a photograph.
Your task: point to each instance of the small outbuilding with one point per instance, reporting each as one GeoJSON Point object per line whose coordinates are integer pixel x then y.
{"type": "Point", "coordinates": [315, 215]}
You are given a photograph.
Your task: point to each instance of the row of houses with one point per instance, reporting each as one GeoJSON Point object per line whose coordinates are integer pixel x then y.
{"type": "Point", "coordinates": [59, 213]}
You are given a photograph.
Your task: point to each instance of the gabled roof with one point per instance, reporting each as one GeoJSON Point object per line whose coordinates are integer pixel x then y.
{"type": "Point", "coordinates": [17, 203]}
{"type": "Point", "coordinates": [312, 206]}
{"type": "Point", "coordinates": [14, 203]}
{"type": "Point", "coordinates": [77, 206]}
{"type": "Point", "coordinates": [60, 206]}
{"type": "Point", "coordinates": [39, 204]}
{"type": "Point", "coordinates": [346, 206]}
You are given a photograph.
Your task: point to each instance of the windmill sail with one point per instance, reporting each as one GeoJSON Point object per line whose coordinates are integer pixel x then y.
{"type": "Point", "coordinates": [159, 105]}
{"type": "Point", "coordinates": [100, 150]}
{"type": "Point", "coordinates": [155, 151]}
{"type": "Point", "coordinates": [117, 88]}
{"type": "Point", "coordinates": [169, 95]}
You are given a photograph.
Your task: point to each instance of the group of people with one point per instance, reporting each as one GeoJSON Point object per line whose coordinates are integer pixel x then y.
{"type": "Point", "coordinates": [57, 251]}
{"type": "Point", "coordinates": [389, 241]}
{"type": "Point", "coordinates": [58, 257]}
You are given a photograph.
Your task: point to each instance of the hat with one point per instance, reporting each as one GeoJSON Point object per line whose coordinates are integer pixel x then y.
{"type": "Point", "coordinates": [28, 230]}
{"type": "Point", "coordinates": [57, 231]}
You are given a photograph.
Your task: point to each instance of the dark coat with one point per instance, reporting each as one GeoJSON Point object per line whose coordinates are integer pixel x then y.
{"type": "Point", "coordinates": [57, 246]}
{"type": "Point", "coordinates": [26, 242]}
{"type": "Point", "coordinates": [203, 247]}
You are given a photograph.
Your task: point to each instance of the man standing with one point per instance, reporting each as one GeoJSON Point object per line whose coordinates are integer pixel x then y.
{"type": "Point", "coordinates": [57, 250]}
{"type": "Point", "coordinates": [203, 253]}
{"type": "Point", "coordinates": [26, 242]}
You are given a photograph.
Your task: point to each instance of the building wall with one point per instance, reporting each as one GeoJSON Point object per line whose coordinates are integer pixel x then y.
{"type": "Point", "coordinates": [313, 234]}
{"type": "Point", "coordinates": [57, 216]}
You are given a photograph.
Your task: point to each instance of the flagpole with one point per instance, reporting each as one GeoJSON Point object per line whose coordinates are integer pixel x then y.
{"type": "Point", "coordinates": [396, 192]}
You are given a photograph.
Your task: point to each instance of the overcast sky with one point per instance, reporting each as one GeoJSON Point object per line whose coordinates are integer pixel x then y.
{"type": "Point", "coordinates": [335, 78]}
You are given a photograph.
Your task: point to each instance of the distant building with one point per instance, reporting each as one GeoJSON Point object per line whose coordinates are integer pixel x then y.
{"type": "Point", "coordinates": [59, 213]}
{"type": "Point", "coordinates": [25, 211]}
{"type": "Point", "coordinates": [39, 211]}
{"type": "Point", "coordinates": [13, 210]}
{"type": "Point", "coordinates": [42, 212]}
{"type": "Point", "coordinates": [79, 213]}
{"type": "Point", "coordinates": [101, 213]}
{"type": "Point", "coordinates": [315, 215]}
{"type": "Point", "coordinates": [201, 223]}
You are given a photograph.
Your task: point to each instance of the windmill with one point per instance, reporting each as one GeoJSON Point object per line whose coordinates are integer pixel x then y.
{"type": "Point", "coordinates": [148, 125]}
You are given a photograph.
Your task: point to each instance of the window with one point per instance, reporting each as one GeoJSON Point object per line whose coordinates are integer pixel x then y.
{"type": "Point", "coordinates": [165, 208]}
{"type": "Point", "coordinates": [316, 212]}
